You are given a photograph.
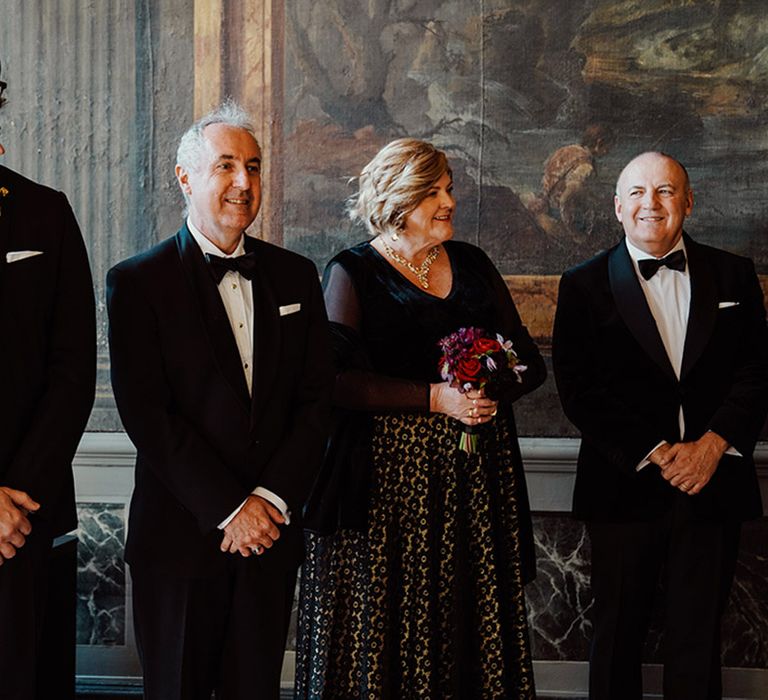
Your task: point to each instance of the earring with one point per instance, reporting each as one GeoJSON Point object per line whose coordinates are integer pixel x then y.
{"type": "Point", "coordinates": [395, 237]}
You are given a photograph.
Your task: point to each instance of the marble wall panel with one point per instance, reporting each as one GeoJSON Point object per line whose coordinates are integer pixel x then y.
{"type": "Point", "coordinates": [559, 599]}
{"type": "Point", "coordinates": [101, 582]}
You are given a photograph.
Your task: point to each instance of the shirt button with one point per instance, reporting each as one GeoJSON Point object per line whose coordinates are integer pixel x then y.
{"type": "Point", "coordinates": [246, 365]}
{"type": "Point", "coordinates": [234, 286]}
{"type": "Point", "coordinates": [240, 325]}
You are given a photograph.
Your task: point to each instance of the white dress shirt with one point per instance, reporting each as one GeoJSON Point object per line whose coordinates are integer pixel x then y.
{"type": "Point", "coordinates": [668, 294]}
{"type": "Point", "coordinates": [237, 296]}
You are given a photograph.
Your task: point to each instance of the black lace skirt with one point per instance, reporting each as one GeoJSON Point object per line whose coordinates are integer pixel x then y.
{"type": "Point", "coordinates": [428, 602]}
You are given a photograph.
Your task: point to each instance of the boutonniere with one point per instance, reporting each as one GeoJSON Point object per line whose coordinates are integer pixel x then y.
{"type": "Point", "coordinates": [3, 194]}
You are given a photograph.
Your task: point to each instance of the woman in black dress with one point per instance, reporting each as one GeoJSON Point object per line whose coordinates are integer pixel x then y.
{"type": "Point", "coordinates": [413, 582]}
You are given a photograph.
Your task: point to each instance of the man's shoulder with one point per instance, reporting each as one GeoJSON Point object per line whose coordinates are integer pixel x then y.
{"type": "Point", "coordinates": [596, 265]}
{"type": "Point", "coordinates": [17, 185]}
{"type": "Point", "coordinates": [156, 256]}
{"type": "Point", "coordinates": [718, 256]}
{"type": "Point", "coordinates": [280, 259]}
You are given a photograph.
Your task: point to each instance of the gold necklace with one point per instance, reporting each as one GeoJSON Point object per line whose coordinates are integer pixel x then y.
{"type": "Point", "coordinates": [422, 271]}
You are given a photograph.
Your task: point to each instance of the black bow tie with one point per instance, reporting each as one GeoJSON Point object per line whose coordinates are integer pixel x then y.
{"type": "Point", "coordinates": [244, 264]}
{"type": "Point", "coordinates": [650, 266]}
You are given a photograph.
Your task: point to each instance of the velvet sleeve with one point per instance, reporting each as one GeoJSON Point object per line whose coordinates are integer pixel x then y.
{"type": "Point", "coordinates": [358, 386]}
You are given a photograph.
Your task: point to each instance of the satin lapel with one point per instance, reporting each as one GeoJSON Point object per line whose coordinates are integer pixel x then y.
{"type": "Point", "coordinates": [633, 307]}
{"type": "Point", "coordinates": [214, 315]}
{"type": "Point", "coordinates": [267, 336]}
{"type": "Point", "coordinates": [703, 312]}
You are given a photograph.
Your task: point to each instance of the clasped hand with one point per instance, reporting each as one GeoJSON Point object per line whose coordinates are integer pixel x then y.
{"type": "Point", "coordinates": [689, 466]}
{"type": "Point", "coordinates": [253, 529]}
{"type": "Point", "coordinates": [471, 408]}
{"type": "Point", "coordinates": [14, 524]}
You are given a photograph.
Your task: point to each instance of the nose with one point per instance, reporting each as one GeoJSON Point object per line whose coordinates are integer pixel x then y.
{"type": "Point", "coordinates": [650, 199]}
{"type": "Point", "coordinates": [241, 178]}
{"type": "Point", "coordinates": [447, 200]}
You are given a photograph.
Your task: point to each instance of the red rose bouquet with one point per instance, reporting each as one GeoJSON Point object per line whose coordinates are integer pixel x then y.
{"type": "Point", "coordinates": [474, 359]}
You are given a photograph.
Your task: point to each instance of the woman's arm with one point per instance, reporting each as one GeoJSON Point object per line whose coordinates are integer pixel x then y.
{"type": "Point", "coordinates": [359, 387]}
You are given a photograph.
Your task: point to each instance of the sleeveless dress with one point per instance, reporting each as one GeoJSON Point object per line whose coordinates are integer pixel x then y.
{"type": "Point", "coordinates": [415, 590]}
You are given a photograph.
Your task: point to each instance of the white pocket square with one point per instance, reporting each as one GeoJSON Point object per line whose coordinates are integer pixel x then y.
{"type": "Point", "coordinates": [289, 309]}
{"type": "Point", "coordinates": [727, 304]}
{"type": "Point", "coordinates": [16, 255]}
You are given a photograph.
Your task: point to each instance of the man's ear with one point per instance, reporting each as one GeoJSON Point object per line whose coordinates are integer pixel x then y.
{"type": "Point", "coordinates": [617, 206]}
{"type": "Point", "coordinates": [182, 177]}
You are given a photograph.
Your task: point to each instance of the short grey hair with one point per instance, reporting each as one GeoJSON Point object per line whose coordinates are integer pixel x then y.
{"type": "Point", "coordinates": [192, 142]}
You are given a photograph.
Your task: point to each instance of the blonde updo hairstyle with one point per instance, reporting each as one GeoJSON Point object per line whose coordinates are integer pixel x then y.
{"type": "Point", "coordinates": [394, 183]}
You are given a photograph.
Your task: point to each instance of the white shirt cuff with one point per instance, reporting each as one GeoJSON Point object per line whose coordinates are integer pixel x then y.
{"type": "Point", "coordinates": [273, 498]}
{"type": "Point", "coordinates": [645, 462]}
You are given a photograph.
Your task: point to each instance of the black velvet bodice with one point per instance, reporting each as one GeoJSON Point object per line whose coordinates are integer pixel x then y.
{"type": "Point", "coordinates": [396, 325]}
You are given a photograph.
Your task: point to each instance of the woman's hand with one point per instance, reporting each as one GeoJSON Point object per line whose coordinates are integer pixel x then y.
{"type": "Point", "coordinates": [472, 408]}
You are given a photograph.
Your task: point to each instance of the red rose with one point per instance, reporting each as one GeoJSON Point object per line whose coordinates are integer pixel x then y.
{"type": "Point", "coordinates": [468, 370]}
{"type": "Point", "coordinates": [484, 345]}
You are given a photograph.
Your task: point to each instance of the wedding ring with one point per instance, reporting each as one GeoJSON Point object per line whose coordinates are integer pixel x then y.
{"type": "Point", "coordinates": [472, 412]}
{"type": "Point", "coordinates": [495, 411]}
{"type": "Point", "coordinates": [256, 549]}
{"type": "Point", "coordinates": [684, 487]}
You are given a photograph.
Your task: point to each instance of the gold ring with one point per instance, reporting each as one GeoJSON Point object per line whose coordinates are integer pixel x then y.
{"type": "Point", "coordinates": [495, 411]}
{"type": "Point", "coordinates": [473, 411]}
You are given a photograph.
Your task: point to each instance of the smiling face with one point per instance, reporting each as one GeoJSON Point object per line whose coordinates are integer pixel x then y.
{"type": "Point", "coordinates": [432, 220]}
{"type": "Point", "coordinates": [224, 189]}
{"type": "Point", "coordinates": [652, 201]}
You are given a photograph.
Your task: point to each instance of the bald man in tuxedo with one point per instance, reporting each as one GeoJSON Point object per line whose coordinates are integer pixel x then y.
{"type": "Point", "coordinates": [660, 353]}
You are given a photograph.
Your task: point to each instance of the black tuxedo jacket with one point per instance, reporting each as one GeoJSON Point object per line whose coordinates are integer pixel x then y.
{"type": "Point", "coordinates": [47, 347]}
{"type": "Point", "coordinates": [203, 444]}
{"type": "Point", "coordinates": [618, 387]}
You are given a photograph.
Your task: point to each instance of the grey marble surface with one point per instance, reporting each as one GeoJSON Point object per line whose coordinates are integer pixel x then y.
{"type": "Point", "coordinates": [101, 586]}
{"type": "Point", "coordinates": [559, 599]}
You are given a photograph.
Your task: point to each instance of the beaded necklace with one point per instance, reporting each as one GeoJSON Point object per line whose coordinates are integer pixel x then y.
{"type": "Point", "coordinates": [422, 271]}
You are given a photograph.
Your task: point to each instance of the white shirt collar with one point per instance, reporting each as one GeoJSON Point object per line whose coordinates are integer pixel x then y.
{"type": "Point", "coordinates": [208, 246]}
{"type": "Point", "coordinates": [637, 254]}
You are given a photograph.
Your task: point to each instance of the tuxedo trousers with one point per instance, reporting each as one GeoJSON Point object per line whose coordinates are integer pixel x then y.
{"type": "Point", "coordinates": [224, 633]}
{"type": "Point", "coordinates": [694, 560]}
{"type": "Point", "coordinates": [23, 597]}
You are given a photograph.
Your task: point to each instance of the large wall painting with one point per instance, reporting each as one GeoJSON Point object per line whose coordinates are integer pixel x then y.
{"type": "Point", "coordinates": [538, 104]}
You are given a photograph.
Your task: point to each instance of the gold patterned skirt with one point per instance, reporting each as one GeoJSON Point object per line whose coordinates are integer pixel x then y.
{"type": "Point", "coordinates": [428, 601]}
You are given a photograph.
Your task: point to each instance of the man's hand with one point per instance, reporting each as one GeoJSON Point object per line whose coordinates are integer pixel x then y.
{"type": "Point", "coordinates": [659, 455]}
{"type": "Point", "coordinates": [690, 465]}
{"type": "Point", "coordinates": [255, 526]}
{"type": "Point", "coordinates": [14, 525]}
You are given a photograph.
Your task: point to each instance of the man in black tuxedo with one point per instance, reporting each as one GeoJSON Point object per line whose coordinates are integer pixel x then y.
{"type": "Point", "coordinates": [660, 353]}
{"type": "Point", "coordinates": [47, 383]}
{"type": "Point", "coordinates": [222, 374]}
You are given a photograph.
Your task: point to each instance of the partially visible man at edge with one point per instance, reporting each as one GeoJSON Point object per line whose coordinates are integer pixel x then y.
{"type": "Point", "coordinates": [47, 383]}
{"type": "Point", "coordinates": [660, 352]}
{"type": "Point", "coordinates": [222, 375]}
